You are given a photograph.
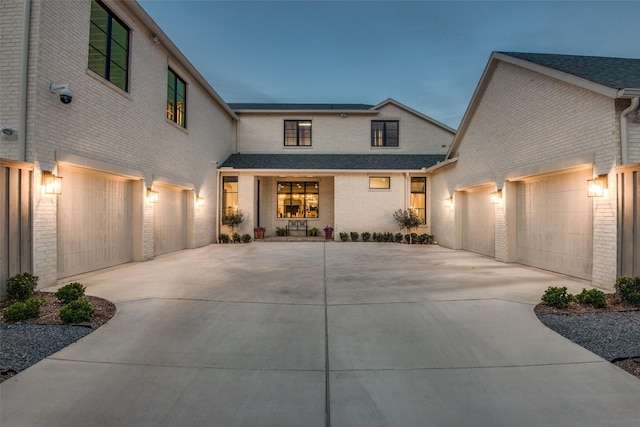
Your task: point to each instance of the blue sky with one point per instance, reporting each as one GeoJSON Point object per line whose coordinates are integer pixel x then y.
{"type": "Point", "coordinates": [428, 55]}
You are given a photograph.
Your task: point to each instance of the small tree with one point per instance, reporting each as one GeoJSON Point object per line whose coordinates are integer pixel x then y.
{"type": "Point", "coordinates": [407, 219]}
{"type": "Point", "coordinates": [232, 219]}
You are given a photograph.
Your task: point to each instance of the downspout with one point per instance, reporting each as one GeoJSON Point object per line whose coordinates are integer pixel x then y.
{"type": "Point", "coordinates": [219, 197]}
{"type": "Point", "coordinates": [406, 194]}
{"type": "Point", "coordinates": [624, 138]}
{"type": "Point", "coordinates": [24, 64]}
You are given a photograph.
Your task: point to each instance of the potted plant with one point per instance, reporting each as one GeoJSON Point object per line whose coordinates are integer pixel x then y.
{"type": "Point", "coordinates": [258, 232]}
{"type": "Point", "coordinates": [328, 232]}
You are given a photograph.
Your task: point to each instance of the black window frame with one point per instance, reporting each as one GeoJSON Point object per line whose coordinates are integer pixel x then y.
{"type": "Point", "coordinates": [173, 111]}
{"type": "Point", "coordinates": [108, 62]}
{"type": "Point", "coordinates": [299, 137]}
{"type": "Point", "coordinates": [287, 211]}
{"type": "Point", "coordinates": [386, 137]}
{"type": "Point", "coordinates": [423, 208]}
{"type": "Point", "coordinates": [228, 195]}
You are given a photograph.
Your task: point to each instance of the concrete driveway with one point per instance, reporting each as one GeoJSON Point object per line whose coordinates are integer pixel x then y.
{"type": "Point", "coordinates": [315, 334]}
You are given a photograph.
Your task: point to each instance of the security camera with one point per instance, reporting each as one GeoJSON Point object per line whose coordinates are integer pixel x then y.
{"type": "Point", "coordinates": [66, 96]}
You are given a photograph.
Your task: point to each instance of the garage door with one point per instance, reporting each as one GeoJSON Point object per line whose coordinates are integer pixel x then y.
{"type": "Point", "coordinates": [478, 221]}
{"type": "Point", "coordinates": [170, 223]}
{"type": "Point", "coordinates": [94, 221]}
{"type": "Point", "coordinates": [554, 223]}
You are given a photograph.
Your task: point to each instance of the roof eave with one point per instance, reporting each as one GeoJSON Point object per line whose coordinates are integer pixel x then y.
{"type": "Point", "coordinates": [306, 172]}
{"type": "Point", "coordinates": [628, 93]}
{"type": "Point", "coordinates": [302, 111]}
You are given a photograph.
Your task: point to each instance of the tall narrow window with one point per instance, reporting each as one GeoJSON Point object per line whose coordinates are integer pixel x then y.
{"type": "Point", "coordinates": [297, 133]}
{"type": "Point", "coordinates": [108, 46]}
{"type": "Point", "coordinates": [176, 99]}
{"type": "Point", "coordinates": [229, 194]}
{"type": "Point", "coordinates": [298, 199]}
{"type": "Point", "coordinates": [384, 133]}
{"type": "Point", "coordinates": [419, 197]}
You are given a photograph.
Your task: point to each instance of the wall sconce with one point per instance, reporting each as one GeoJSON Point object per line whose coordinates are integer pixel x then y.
{"type": "Point", "coordinates": [495, 197]}
{"type": "Point", "coordinates": [596, 187]}
{"type": "Point", "coordinates": [7, 130]}
{"type": "Point", "coordinates": [51, 184]}
{"type": "Point", "coordinates": [448, 202]}
{"type": "Point", "coordinates": [199, 201]}
{"type": "Point", "coordinates": [152, 196]}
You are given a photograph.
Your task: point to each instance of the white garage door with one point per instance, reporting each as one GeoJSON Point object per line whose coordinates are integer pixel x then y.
{"type": "Point", "coordinates": [478, 221]}
{"type": "Point", "coordinates": [554, 223]}
{"type": "Point", "coordinates": [94, 221]}
{"type": "Point", "coordinates": [170, 223]}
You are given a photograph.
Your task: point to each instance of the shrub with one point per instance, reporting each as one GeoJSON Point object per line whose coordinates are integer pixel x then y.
{"type": "Point", "coordinates": [592, 297]}
{"type": "Point", "coordinates": [281, 231]}
{"type": "Point", "coordinates": [557, 297]}
{"type": "Point", "coordinates": [313, 232]}
{"type": "Point", "coordinates": [628, 289]}
{"type": "Point", "coordinates": [398, 237]}
{"type": "Point", "coordinates": [354, 236]}
{"type": "Point", "coordinates": [246, 238]}
{"type": "Point", "coordinates": [21, 286]}
{"type": "Point", "coordinates": [366, 236]}
{"type": "Point", "coordinates": [23, 310]}
{"type": "Point", "coordinates": [223, 238]}
{"type": "Point", "coordinates": [236, 238]}
{"type": "Point", "coordinates": [77, 312]}
{"type": "Point", "coordinates": [376, 237]}
{"type": "Point", "coordinates": [344, 236]}
{"type": "Point", "coordinates": [70, 292]}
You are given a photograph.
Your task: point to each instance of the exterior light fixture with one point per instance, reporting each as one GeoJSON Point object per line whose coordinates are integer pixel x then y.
{"type": "Point", "coordinates": [7, 130]}
{"type": "Point", "coordinates": [51, 184]}
{"type": "Point", "coordinates": [448, 202]}
{"type": "Point", "coordinates": [152, 196]}
{"type": "Point", "coordinates": [495, 197]}
{"type": "Point", "coordinates": [199, 201]}
{"type": "Point", "coordinates": [596, 187]}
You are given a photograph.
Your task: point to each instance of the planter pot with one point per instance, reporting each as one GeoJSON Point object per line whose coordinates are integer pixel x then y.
{"type": "Point", "coordinates": [328, 235]}
{"type": "Point", "coordinates": [259, 234]}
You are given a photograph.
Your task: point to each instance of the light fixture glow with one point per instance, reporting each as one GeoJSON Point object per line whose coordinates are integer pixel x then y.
{"type": "Point", "coordinates": [51, 184]}
{"type": "Point", "coordinates": [596, 187]}
{"type": "Point", "coordinates": [199, 201]}
{"type": "Point", "coordinates": [152, 196]}
{"type": "Point", "coordinates": [495, 197]}
{"type": "Point", "coordinates": [448, 202]}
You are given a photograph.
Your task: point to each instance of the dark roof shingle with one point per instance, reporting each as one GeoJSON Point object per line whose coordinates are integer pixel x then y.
{"type": "Point", "coordinates": [332, 161]}
{"type": "Point", "coordinates": [616, 73]}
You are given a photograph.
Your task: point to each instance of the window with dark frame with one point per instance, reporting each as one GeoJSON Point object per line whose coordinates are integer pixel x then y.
{"type": "Point", "coordinates": [229, 194]}
{"type": "Point", "coordinates": [297, 133]}
{"type": "Point", "coordinates": [384, 133]}
{"type": "Point", "coordinates": [298, 199]}
{"type": "Point", "coordinates": [176, 99]}
{"type": "Point", "coordinates": [419, 197]}
{"type": "Point", "coordinates": [379, 182]}
{"type": "Point", "coordinates": [108, 46]}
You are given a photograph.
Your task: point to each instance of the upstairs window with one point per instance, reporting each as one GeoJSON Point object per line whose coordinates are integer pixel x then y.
{"type": "Point", "coordinates": [297, 133]}
{"type": "Point", "coordinates": [108, 46]}
{"type": "Point", "coordinates": [176, 99]}
{"type": "Point", "coordinates": [384, 133]}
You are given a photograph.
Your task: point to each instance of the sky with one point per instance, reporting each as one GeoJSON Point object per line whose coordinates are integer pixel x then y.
{"type": "Point", "coordinates": [427, 55]}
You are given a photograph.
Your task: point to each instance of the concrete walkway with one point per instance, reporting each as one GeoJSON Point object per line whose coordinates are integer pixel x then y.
{"type": "Point", "coordinates": [315, 334]}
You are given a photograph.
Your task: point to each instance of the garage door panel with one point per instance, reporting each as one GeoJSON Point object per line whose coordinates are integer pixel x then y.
{"type": "Point", "coordinates": [170, 229]}
{"type": "Point", "coordinates": [478, 222]}
{"type": "Point", "coordinates": [554, 223]}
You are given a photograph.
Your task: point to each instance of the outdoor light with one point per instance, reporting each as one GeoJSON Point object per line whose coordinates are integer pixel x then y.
{"type": "Point", "coordinates": [152, 196]}
{"type": "Point", "coordinates": [448, 202]}
{"type": "Point", "coordinates": [596, 186]}
{"type": "Point", "coordinates": [495, 197]}
{"type": "Point", "coordinates": [51, 184]}
{"type": "Point", "coordinates": [7, 130]}
{"type": "Point", "coordinates": [199, 201]}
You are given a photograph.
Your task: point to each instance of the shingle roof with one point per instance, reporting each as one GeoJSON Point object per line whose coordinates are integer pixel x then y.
{"type": "Point", "coordinates": [332, 161]}
{"type": "Point", "coordinates": [296, 107]}
{"type": "Point", "coordinates": [616, 73]}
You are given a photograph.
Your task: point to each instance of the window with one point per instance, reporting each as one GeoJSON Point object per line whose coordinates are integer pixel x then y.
{"type": "Point", "coordinates": [108, 46]}
{"type": "Point", "coordinates": [297, 133]}
{"type": "Point", "coordinates": [176, 99]}
{"type": "Point", "coordinates": [230, 194]}
{"type": "Point", "coordinates": [379, 182]}
{"type": "Point", "coordinates": [419, 197]}
{"type": "Point", "coordinates": [384, 133]}
{"type": "Point", "coordinates": [298, 199]}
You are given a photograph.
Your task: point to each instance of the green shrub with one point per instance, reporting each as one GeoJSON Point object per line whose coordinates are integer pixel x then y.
{"type": "Point", "coordinates": [366, 236]}
{"type": "Point", "coordinates": [592, 297]}
{"type": "Point", "coordinates": [70, 292]}
{"type": "Point", "coordinates": [344, 236]}
{"type": "Point", "coordinates": [236, 238]}
{"type": "Point", "coordinates": [557, 297]}
{"type": "Point", "coordinates": [398, 237]}
{"type": "Point", "coordinates": [312, 232]}
{"type": "Point", "coordinates": [77, 312]}
{"type": "Point", "coordinates": [23, 310]}
{"type": "Point", "coordinates": [281, 231]}
{"type": "Point", "coordinates": [223, 238]}
{"type": "Point", "coordinates": [354, 236]}
{"type": "Point", "coordinates": [21, 286]}
{"type": "Point", "coordinates": [246, 238]}
{"type": "Point", "coordinates": [628, 289]}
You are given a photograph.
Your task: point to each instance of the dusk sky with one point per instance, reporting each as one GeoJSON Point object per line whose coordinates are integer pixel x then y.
{"type": "Point", "coordinates": [428, 55]}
